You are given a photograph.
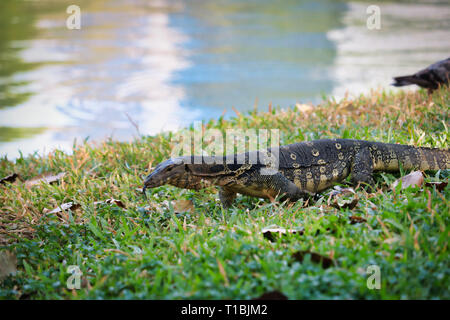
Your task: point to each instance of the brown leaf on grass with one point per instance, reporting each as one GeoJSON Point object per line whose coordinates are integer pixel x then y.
{"type": "Point", "coordinates": [111, 201]}
{"type": "Point", "coordinates": [325, 262]}
{"type": "Point", "coordinates": [180, 206]}
{"type": "Point", "coordinates": [223, 272]}
{"type": "Point", "coordinates": [440, 185]}
{"type": "Point", "coordinates": [9, 178]}
{"type": "Point", "coordinates": [342, 198]}
{"type": "Point", "coordinates": [74, 206]}
{"type": "Point", "coordinates": [47, 178]}
{"type": "Point", "coordinates": [85, 283]}
{"type": "Point", "coordinates": [271, 233]}
{"type": "Point", "coordinates": [356, 219]}
{"type": "Point", "coordinates": [64, 207]}
{"type": "Point", "coordinates": [414, 179]}
{"type": "Point", "coordinates": [272, 295]}
{"type": "Point", "coordinates": [8, 264]}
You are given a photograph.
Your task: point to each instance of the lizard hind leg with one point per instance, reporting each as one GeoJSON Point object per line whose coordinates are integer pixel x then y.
{"type": "Point", "coordinates": [226, 197]}
{"type": "Point", "coordinates": [286, 188]}
{"type": "Point", "coordinates": [362, 169]}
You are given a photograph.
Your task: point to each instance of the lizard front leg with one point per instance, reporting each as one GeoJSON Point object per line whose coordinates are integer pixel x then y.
{"type": "Point", "coordinates": [269, 186]}
{"type": "Point", "coordinates": [362, 168]}
{"type": "Point", "coordinates": [226, 196]}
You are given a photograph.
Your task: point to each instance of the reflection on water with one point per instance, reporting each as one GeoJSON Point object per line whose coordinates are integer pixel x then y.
{"type": "Point", "coordinates": [118, 66]}
{"type": "Point", "coordinates": [273, 51]}
{"type": "Point", "coordinates": [165, 63]}
{"type": "Point", "coordinates": [15, 28]}
{"type": "Point", "coordinates": [411, 37]}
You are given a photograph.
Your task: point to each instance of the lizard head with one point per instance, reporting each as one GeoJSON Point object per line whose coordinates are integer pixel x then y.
{"type": "Point", "coordinates": [166, 172]}
{"type": "Point", "coordinates": [176, 172]}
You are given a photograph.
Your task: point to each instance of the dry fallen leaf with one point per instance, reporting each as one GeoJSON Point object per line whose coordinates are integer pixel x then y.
{"type": "Point", "coordinates": [414, 179]}
{"type": "Point", "coordinates": [8, 264]}
{"type": "Point", "coordinates": [74, 206]}
{"type": "Point", "coordinates": [440, 186]}
{"type": "Point", "coordinates": [48, 178]}
{"type": "Point", "coordinates": [272, 295]}
{"type": "Point", "coordinates": [65, 206]}
{"type": "Point", "coordinates": [10, 178]}
{"type": "Point", "coordinates": [180, 206]}
{"type": "Point", "coordinates": [325, 262]}
{"type": "Point", "coordinates": [356, 219]}
{"type": "Point", "coordinates": [338, 198]}
{"type": "Point", "coordinates": [111, 201]}
{"type": "Point", "coordinates": [271, 233]}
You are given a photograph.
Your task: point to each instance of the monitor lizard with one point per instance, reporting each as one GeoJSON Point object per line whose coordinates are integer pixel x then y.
{"type": "Point", "coordinates": [294, 171]}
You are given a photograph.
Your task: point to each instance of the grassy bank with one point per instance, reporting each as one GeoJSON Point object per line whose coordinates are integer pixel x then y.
{"type": "Point", "coordinates": [154, 249]}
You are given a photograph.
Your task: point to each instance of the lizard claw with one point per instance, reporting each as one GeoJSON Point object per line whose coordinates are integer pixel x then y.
{"type": "Point", "coordinates": [143, 192]}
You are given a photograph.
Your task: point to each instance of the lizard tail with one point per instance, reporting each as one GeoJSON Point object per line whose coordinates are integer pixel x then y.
{"type": "Point", "coordinates": [390, 157]}
{"type": "Point", "coordinates": [433, 159]}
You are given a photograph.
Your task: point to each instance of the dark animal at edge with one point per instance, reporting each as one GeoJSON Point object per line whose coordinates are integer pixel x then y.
{"type": "Point", "coordinates": [430, 78]}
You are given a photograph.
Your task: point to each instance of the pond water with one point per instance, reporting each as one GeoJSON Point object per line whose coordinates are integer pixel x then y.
{"type": "Point", "coordinates": [148, 66]}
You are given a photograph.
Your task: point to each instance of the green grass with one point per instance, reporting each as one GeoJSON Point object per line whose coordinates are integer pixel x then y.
{"type": "Point", "coordinates": [146, 250]}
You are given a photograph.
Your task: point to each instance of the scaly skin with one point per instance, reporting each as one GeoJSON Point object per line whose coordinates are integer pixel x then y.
{"type": "Point", "coordinates": [303, 169]}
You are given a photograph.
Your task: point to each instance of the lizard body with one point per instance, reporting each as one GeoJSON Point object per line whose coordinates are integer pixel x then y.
{"type": "Point", "coordinates": [295, 171]}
